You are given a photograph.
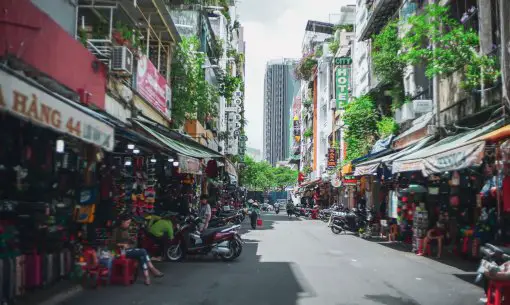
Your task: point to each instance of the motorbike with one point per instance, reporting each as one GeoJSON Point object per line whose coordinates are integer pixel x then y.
{"type": "Point", "coordinates": [223, 242]}
{"type": "Point", "coordinates": [277, 209]}
{"type": "Point", "coordinates": [347, 221]}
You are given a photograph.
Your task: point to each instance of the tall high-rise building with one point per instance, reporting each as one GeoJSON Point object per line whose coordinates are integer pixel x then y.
{"type": "Point", "coordinates": [280, 87]}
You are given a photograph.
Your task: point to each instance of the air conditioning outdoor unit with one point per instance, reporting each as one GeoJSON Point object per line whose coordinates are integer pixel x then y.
{"type": "Point", "coordinates": [122, 60]}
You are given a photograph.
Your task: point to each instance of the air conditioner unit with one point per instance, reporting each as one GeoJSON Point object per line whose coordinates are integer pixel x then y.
{"type": "Point", "coordinates": [431, 130]}
{"type": "Point", "coordinates": [122, 60]}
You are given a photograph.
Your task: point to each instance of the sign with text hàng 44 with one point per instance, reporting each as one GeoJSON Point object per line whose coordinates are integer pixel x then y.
{"type": "Point", "coordinates": [28, 102]}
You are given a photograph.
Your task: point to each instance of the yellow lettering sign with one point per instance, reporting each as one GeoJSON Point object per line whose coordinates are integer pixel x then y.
{"type": "Point", "coordinates": [20, 102]}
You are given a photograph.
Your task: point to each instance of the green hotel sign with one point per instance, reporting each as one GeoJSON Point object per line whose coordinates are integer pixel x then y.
{"type": "Point", "coordinates": [342, 75]}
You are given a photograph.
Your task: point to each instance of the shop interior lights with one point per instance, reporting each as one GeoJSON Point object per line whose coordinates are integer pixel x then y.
{"type": "Point", "coordinates": [170, 159]}
{"type": "Point", "coordinates": [131, 146]}
{"type": "Point", "coordinates": [176, 163]}
{"type": "Point", "coordinates": [127, 162]}
{"type": "Point", "coordinates": [136, 151]}
{"type": "Point", "coordinates": [153, 160]}
{"type": "Point", "coordinates": [60, 146]}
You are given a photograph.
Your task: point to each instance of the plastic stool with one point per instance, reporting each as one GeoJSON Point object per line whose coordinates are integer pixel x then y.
{"type": "Point", "coordinates": [428, 250]}
{"type": "Point", "coordinates": [123, 271]}
{"type": "Point", "coordinates": [497, 291]}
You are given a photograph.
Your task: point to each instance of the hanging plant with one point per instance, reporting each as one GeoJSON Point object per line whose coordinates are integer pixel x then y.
{"type": "Point", "coordinates": [360, 119]}
{"type": "Point", "coordinates": [307, 104]}
{"type": "Point", "coordinates": [334, 46]}
{"type": "Point", "coordinates": [308, 133]}
{"type": "Point", "coordinates": [386, 127]}
{"type": "Point", "coordinates": [305, 67]}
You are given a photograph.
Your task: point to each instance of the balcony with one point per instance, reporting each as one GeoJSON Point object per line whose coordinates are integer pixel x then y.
{"type": "Point", "coordinates": [116, 33]}
{"type": "Point", "coordinates": [379, 13]}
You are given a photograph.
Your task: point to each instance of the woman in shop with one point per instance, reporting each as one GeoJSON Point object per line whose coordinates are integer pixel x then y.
{"type": "Point", "coordinates": [436, 233]}
{"type": "Point", "coordinates": [121, 240]}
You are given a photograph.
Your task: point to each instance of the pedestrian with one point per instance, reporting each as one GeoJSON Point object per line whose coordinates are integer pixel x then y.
{"type": "Point", "coordinates": [205, 212]}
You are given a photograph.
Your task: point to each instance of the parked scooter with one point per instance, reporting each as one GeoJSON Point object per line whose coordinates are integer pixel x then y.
{"type": "Point", "coordinates": [348, 221]}
{"type": "Point", "coordinates": [224, 242]}
{"type": "Point", "coordinates": [148, 242]}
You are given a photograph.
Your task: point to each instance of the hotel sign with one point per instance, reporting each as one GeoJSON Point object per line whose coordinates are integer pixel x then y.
{"type": "Point", "coordinates": [342, 75]}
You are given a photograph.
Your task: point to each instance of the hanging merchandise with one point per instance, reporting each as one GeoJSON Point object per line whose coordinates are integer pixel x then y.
{"type": "Point", "coordinates": [455, 181]}
{"type": "Point", "coordinates": [506, 194]}
{"type": "Point", "coordinates": [85, 209]}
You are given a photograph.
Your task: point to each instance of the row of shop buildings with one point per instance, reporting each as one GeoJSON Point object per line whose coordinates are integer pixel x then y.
{"type": "Point", "coordinates": [86, 127]}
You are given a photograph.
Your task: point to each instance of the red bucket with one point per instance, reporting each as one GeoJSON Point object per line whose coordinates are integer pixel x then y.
{"type": "Point", "coordinates": [259, 222]}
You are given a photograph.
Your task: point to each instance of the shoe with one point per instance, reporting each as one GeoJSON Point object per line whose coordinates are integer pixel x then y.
{"type": "Point", "coordinates": [483, 300]}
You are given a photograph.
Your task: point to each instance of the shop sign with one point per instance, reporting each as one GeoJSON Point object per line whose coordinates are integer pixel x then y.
{"type": "Point", "coordinates": [422, 106]}
{"type": "Point", "coordinates": [407, 166]}
{"type": "Point", "coordinates": [152, 86]}
{"type": "Point", "coordinates": [331, 158]}
{"type": "Point", "coordinates": [343, 61]}
{"type": "Point", "coordinates": [342, 85]}
{"type": "Point", "coordinates": [462, 157]}
{"type": "Point", "coordinates": [189, 165]}
{"type": "Point", "coordinates": [350, 182]}
{"type": "Point", "coordinates": [29, 102]}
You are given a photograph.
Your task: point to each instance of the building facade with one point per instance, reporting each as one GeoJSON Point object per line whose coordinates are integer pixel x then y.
{"type": "Point", "coordinates": [280, 87]}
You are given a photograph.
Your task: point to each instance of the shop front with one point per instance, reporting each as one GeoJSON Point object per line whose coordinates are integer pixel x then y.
{"type": "Point", "coordinates": [448, 185]}
{"type": "Point", "coordinates": [50, 168]}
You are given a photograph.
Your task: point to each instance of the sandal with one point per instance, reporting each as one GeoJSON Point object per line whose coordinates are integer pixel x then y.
{"type": "Point", "coordinates": [147, 282]}
{"type": "Point", "coordinates": [159, 274]}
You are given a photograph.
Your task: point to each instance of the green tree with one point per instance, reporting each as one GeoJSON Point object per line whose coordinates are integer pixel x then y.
{"type": "Point", "coordinates": [360, 118]}
{"type": "Point", "coordinates": [193, 97]}
{"type": "Point", "coordinates": [263, 176]}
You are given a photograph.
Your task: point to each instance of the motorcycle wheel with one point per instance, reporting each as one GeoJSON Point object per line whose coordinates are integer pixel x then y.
{"type": "Point", "coordinates": [232, 254]}
{"type": "Point", "coordinates": [335, 230]}
{"type": "Point", "coordinates": [174, 253]}
{"type": "Point", "coordinates": [277, 212]}
{"type": "Point", "coordinates": [239, 247]}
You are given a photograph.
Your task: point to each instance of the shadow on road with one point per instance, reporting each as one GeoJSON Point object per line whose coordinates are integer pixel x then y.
{"type": "Point", "coordinates": [207, 281]}
{"type": "Point", "coordinates": [387, 299]}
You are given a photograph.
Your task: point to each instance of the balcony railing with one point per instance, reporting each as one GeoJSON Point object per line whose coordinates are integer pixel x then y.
{"type": "Point", "coordinates": [379, 14]}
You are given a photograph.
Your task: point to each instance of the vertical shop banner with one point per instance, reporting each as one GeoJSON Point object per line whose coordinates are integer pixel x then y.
{"type": "Point", "coordinates": [152, 86]}
{"type": "Point", "coordinates": [342, 75]}
{"type": "Point", "coordinates": [332, 158]}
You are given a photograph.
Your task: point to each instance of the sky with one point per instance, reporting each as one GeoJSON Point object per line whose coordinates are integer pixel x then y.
{"type": "Point", "coordinates": [274, 29]}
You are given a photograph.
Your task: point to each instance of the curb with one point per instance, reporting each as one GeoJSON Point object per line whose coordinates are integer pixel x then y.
{"type": "Point", "coordinates": [62, 296]}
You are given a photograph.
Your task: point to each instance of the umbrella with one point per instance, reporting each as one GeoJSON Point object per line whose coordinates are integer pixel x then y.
{"type": "Point", "coordinates": [414, 188]}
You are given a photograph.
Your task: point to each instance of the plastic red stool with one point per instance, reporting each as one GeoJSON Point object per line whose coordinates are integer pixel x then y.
{"type": "Point", "coordinates": [497, 291]}
{"type": "Point", "coordinates": [428, 250]}
{"type": "Point", "coordinates": [123, 271]}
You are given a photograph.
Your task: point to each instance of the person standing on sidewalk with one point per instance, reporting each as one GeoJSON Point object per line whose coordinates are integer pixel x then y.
{"type": "Point", "coordinates": [205, 212]}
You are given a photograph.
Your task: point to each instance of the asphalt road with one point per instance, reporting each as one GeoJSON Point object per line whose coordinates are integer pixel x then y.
{"type": "Point", "coordinates": [301, 262]}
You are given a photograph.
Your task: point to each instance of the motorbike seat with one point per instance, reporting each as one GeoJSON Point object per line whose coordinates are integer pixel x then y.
{"type": "Point", "coordinates": [211, 231]}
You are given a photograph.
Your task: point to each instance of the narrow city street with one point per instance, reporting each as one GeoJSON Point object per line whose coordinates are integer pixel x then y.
{"type": "Point", "coordinates": [301, 262]}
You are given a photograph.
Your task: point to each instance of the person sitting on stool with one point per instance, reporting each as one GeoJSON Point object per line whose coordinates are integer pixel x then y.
{"type": "Point", "coordinates": [435, 233]}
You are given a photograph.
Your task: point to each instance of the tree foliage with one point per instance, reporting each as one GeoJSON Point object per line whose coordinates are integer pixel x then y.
{"type": "Point", "coordinates": [193, 97]}
{"type": "Point", "coordinates": [262, 176]}
{"type": "Point", "coordinates": [304, 69]}
{"type": "Point", "coordinates": [360, 118]}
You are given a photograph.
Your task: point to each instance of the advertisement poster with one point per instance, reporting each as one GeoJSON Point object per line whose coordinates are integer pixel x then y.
{"type": "Point", "coordinates": [151, 85]}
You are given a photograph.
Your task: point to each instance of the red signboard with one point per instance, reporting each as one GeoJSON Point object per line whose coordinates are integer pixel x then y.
{"type": "Point", "coordinates": [332, 158]}
{"type": "Point", "coordinates": [151, 85]}
{"type": "Point", "coordinates": [32, 36]}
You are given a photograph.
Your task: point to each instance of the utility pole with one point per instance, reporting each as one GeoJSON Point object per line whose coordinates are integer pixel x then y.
{"type": "Point", "coordinates": [485, 34]}
{"type": "Point", "coordinates": [504, 14]}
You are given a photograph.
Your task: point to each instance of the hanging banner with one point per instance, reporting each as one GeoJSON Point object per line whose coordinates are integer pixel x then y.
{"type": "Point", "coordinates": [26, 101]}
{"type": "Point", "coordinates": [332, 158]}
{"type": "Point", "coordinates": [152, 86]}
{"type": "Point", "coordinates": [342, 75]}
{"type": "Point", "coordinates": [189, 165]}
{"type": "Point", "coordinates": [455, 159]}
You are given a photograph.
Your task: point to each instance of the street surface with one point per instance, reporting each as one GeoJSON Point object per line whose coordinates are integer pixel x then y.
{"type": "Point", "coordinates": [300, 262]}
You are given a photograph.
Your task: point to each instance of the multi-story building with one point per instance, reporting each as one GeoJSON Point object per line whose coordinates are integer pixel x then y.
{"type": "Point", "coordinates": [280, 87]}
